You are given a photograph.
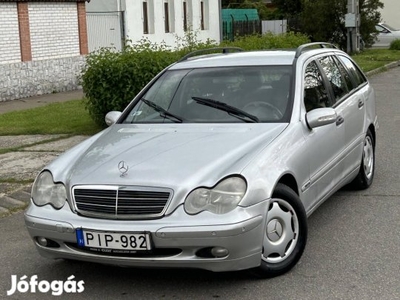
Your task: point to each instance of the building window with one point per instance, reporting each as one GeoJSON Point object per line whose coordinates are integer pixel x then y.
{"type": "Point", "coordinates": [169, 16]}
{"type": "Point", "coordinates": [204, 15]}
{"type": "Point", "coordinates": [148, 16]}
{"type": "Point", "coordinates": [145, 18]}
{"type": "Point", "coordinates": [185, 16]}
{"type": "Point", "coordinates": [166, 17]}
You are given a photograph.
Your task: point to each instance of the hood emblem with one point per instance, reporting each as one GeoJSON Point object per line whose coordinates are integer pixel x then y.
{"type": "Point", "coordinates": [123, 168]}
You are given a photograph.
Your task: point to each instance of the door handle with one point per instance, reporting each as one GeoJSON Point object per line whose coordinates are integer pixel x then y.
{"type": "Point", "coordinates": [339, 120]}
{"type": "Point", "coordinates": [360, 103]}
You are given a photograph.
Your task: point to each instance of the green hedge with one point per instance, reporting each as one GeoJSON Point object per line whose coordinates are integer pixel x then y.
{"type": "Point", "coordinates": [395, 45]}
{"type": "Point", "coordinates": [111, 79]}
{"type": "Point", "coordinates": [268, 41]}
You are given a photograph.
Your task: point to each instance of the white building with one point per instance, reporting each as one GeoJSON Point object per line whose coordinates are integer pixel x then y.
{"type": "Point", "coordinates": [390, 13]}
{"type": "Point", "coordinates": [110, 21]}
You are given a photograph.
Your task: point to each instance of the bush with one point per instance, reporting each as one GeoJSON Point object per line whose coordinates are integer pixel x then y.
{"type": "Point", "coordinates": [395, 45]}
{"type": "Point", "coordinates": [268, 41]}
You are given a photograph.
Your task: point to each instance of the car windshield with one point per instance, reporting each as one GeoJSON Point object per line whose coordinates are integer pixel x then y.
{"type": "Point", "coordinates": [216, 95]}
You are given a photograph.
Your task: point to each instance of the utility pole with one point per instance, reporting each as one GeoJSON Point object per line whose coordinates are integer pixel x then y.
{"type": "Point", "coordinates": [352, 23]}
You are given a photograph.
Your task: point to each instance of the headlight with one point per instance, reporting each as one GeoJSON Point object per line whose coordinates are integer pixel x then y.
{"type": "Point", "coordinates": [222, 198]}
{"type": "Point", "coordinates": [45, 191]}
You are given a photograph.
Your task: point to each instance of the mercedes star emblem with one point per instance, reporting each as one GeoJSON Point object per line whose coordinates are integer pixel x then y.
{"type": "Point", "coordinates": [274, 230]}
{"type": "Point", "coordinates": [123, 168]}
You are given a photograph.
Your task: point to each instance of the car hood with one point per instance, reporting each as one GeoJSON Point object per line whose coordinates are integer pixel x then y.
{"type": "Point", "coordinates": [172, 156]}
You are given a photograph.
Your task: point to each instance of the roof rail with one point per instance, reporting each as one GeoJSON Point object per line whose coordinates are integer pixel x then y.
{"type": "Point", "coordinates": [222, 49]}
{"type": "Point", "coordinates": [301, 48]}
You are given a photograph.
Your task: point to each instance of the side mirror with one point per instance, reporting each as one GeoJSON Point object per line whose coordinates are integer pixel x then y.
{"type": "Point", "coordinates": [112, 117]}
{"type": "Point", "coordinates": [320, 117]}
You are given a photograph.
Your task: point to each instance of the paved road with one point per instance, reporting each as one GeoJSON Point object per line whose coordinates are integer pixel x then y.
{"type": "Point", "coordinates": [352, 251]}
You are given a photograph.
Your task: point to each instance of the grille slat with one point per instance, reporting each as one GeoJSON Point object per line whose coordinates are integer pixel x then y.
{"type": "Point", "coordinates": [96, 201]}
{"type": "Point", "coordinates": [110, 210]}
{"type": "Point", "coordinates": [139, 203]}
{"type": "Point", "coordinates": [110, 193]}
{"type": "Point", "coordinates": [120, 202]}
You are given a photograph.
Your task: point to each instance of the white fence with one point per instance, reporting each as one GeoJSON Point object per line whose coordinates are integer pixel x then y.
{"type": "Point", "coordinates": [104, 30]}
{"type": "Point", "coordinates": [275, 26]}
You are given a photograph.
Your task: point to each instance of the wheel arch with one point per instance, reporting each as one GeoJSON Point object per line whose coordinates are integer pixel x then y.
{"type": "Point", "coordinates": [372, 129]}
{"type": "Point", "coordinates": [290, 181]}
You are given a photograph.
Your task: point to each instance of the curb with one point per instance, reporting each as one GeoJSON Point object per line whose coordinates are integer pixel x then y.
{"type": "Point", "coordinates": [384, 68]}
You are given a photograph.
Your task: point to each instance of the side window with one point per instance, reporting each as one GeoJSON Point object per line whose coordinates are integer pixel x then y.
{"type": "Point", "coordinates": [334, 76]}
{"type": "Point", "coordinates": [344, 73]}
{"type": "Point", "coordinates": [354, 70]}
{"type": "Point", "coordinates": [315, 94]}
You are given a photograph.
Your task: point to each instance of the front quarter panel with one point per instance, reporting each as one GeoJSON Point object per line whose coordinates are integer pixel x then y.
{"type": "Point", "coordinates": [285, 155]}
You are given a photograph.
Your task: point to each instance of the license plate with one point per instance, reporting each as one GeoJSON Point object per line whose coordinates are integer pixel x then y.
{"type": "Point", "coordinates": [113, 240]}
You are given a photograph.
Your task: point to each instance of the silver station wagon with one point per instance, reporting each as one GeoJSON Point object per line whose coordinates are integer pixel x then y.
{"type": "Point", "coordinates": [216, 164]}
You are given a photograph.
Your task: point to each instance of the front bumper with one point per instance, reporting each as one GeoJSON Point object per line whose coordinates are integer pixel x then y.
{"type": "Point", "coordinates": [240, 232]}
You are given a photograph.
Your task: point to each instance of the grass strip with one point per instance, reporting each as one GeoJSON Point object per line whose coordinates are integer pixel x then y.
{"type": "Point", "coordinates": [69, 117]}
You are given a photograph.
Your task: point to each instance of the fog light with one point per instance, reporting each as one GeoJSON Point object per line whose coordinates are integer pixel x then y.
{"type": "Point", "coordinates": [42, 241]}
{"type": "Point", "coordinates": [219, 252]}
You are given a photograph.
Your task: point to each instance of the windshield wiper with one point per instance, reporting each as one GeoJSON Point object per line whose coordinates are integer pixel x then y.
{"type": "Point", "coordinates": [234, 111]}
{"type": "Point", "coordinates": [163, 112]}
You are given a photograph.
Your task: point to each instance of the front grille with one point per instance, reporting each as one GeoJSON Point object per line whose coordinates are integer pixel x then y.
{"type": "Point", "coordinates": [120, 202]}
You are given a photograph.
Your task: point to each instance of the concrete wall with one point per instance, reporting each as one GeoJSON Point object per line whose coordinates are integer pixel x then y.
{"type": "Point", "coordinates": [42, 47]}
{"type": "Point", "coordinates": [25, 79]}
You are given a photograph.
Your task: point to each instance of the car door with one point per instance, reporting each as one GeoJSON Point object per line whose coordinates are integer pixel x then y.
{"type": "Point", "coordinates": [325, 144]}
{"type": "Point", "coordinates": [349, 104]}
{"type": "Point", "coordinates": [355, 114]}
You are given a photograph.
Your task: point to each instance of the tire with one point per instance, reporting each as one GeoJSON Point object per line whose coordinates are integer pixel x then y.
{"type": "Point", "coordinates": [285, 233]}
{"type": "Point", "coordinates": [366, 173]}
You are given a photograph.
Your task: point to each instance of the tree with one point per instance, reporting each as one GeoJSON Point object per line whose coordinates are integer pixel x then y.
{"type": "Point", "coordinates": [288, 7]}
{"type": "Point", "coordinates": [324, 20]}
{"type": "Point", "coordinates": [264, 12]}
{"type": "Point", "coordinates": [231, 3]}
{"type": "Point", "coordinates": [369, 16]}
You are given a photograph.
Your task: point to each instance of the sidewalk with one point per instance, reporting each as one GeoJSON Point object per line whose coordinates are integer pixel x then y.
{"type": "Point", "coordinates": [31, 153]}
{"type": "Point", "coordinates": [36, 101]}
